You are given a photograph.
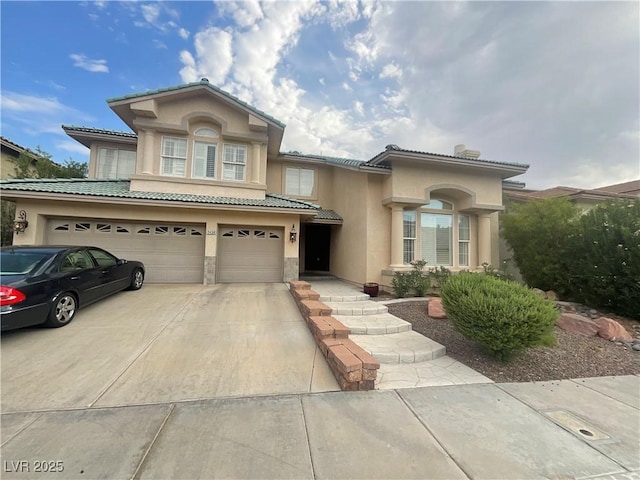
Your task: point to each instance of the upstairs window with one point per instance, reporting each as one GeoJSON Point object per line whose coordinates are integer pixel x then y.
{"type": "Point", "coordinates": [204, 160]}
{"type": "Point", "coordinates": [206, 132]}
{"type": "Point", "coordinates": [174, 156]}
{"type": "Point", "coordinates": [299, 182]}
{"type": "Point", "coordinates": [114, 163]}
{"type": "Point", "coordinates": [234, 162]}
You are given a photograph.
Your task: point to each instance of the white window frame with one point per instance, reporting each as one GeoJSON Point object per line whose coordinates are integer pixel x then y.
{"type": "Point", "coordinates": [442, 220]}
{"type": "Point", "coordinates": [409, 228]}
{"type": "Point", "coordinates": [209, 171]}
{"type": "Point", "coordinates": [464, 244]}
{"type": "Point", "coordinates": [178, 166]}
{"type": "Point", "coordinates": [295, 183]}
{"type": "Point", "coordinates": [118, 168]}
{"type": "Point", "coordinates": [232, 161]}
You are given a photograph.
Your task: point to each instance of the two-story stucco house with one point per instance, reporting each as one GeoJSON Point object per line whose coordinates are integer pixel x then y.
{"type": "Point", "coordinates": [200, 192]}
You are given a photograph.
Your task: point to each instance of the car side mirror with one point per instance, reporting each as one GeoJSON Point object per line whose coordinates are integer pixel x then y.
{"type": "Point", "coordinates": [121, 261]}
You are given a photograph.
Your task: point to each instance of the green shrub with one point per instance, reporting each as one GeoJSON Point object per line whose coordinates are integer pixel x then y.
{"type": "Point", "coordinates": [439, 276]}
{"type": "Point", "coordinates": [605, 267]}
{"type": "Point", "coordinates": [421, 284]}
{"type": "Point", "coordinates": [536, 232]}
{"type": "Point", "coordinates": [402, 283]}
{"type": "Point", "coordinates": [503, 317]}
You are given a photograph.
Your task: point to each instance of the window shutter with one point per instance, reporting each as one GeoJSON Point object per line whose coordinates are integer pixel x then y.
{"type": "Point", "coordinates": [211, 161]}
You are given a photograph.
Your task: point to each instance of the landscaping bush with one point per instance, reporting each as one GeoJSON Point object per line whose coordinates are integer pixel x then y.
{"type": "Point", "coordinates": [503, 317]}
{"type": "Point", "coordinates": [605, 253]}
{"type": "Point", "coordinates": [402, 283]}
{"type": "Point", "coordinates": [537, 232]}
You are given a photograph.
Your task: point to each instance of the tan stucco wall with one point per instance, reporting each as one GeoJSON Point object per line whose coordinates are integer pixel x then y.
{"type": "Point", "coordinates": [411, 181]}
{"type": "Point", "coordinates": [349, 240]}
{"type": "Point", "coordinates": [324, 174]}
{"type": "Point", "coordinates": [38, 211]}
{"type": "Point", "coordinates": [181, 117]}
{"type": "Point", "coordinates": [378, 246]}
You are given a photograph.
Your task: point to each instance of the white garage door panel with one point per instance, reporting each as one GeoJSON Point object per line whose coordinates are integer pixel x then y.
{"type": "Point", "coordinates": [170, 253]}
{"type": "Point", "coordinates": [250, 254]}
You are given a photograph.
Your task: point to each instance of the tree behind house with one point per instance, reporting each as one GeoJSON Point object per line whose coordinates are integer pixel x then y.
{"type": "Point", "coordinates": [42, 167]}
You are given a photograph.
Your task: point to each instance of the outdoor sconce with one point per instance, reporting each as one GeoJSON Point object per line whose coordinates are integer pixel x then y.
{"type": "Point", "coordinates": [20, 225]}
{"type": "Point", "coordinates": [293, 234]}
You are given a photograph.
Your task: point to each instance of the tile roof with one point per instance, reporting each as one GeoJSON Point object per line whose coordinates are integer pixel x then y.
{"type": "Point", "coordinates": [120, 189]}
{"type": "Point", "coordinates": [346, 162]}
{"type": "Point", "coordinates": [195, 84]}
{"type": "Point", "coordinates": [117, 133]}
{"type": "Point", "coordinates": [627, 187]}
{"type": "Point", "coordinates": [395, 148]}
{"type": "Point", "coordinates": [327, 215]}
{"type": "Point", "coordinates": [18, 148]}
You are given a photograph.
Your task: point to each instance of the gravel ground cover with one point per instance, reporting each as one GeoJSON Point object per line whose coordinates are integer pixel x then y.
{"type": "Point", "coordinates": [574, 356]}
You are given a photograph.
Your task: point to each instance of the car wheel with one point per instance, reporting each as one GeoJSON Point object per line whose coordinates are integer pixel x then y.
{"type": "Point", "coordinates": [137, 279]}
{"type": "Point", "coordinates": [63, 311]}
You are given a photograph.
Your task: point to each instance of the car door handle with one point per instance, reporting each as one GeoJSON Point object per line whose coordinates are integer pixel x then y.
{"type": "Point", "coordinates": [75, 278]}
{"type": "Point", "coordinates": [104, 272]}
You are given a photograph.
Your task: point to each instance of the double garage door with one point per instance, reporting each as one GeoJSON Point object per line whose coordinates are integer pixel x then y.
{"type": "Point", "coordinates": [171, 253]}
{"type": "Point", "coordinates": [174, 253]}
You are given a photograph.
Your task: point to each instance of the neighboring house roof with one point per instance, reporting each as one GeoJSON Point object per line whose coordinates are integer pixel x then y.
{"type": "Point", "coordinates": [513, 185]}
{"type": "Point", "coordinates": [120, 189]}
{"type": "Point", "coordinates": [16, 149]}
{"type": "Point", "coordinates": [620, 190]}
{"type": "Point", "coordinates": [627, 187]}
{"type": "Point", "coordinates": [204, 83]}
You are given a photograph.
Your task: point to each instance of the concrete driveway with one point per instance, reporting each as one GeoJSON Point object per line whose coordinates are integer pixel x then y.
{"type": "Point", "coordinates": [165, 343]}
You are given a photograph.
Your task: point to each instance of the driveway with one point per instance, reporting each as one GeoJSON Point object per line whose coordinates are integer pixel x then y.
{"type": "Point", "coordinates": [165, 343]}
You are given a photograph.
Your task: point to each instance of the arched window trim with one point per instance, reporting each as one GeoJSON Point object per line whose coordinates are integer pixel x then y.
{"type": "Point", "coordinates": [438, 204]}
{"type": "Point", "coordinates": [206, 132]}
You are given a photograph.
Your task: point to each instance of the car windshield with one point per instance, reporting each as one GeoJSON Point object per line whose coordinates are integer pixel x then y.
{"type": "Point", "coordinates": [19, 263]}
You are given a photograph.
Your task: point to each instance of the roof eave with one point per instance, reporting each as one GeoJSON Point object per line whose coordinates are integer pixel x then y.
{"type": "Point", "coordinates": [11, 194]}
{"type": "Point", "coordinates": [87, 138]}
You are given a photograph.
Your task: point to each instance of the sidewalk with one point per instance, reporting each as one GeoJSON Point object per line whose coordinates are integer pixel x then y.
{"type": "Point", "coordinates": [584, 428]}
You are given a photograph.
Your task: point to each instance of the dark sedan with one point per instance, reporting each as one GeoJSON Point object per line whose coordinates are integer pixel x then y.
{"type": "Point", "coordinates": [47, 284]}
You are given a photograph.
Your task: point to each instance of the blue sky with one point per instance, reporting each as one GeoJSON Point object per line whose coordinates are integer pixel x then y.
{"type": "Point", "coordinates": [552, 84]}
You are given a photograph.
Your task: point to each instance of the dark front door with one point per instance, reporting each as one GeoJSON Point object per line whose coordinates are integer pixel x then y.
{"type": "Point", "coordinates": [317, 247]}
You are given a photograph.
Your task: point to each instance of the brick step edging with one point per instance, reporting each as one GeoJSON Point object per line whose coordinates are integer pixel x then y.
{"type": "Point", "coordinates": [353, 367]}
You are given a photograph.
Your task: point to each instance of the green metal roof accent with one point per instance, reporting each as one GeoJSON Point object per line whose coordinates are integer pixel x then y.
{"type": "Point", "coordinates": [327, 215]}
{"type": "Point", "coordinates": [204, 83]}
{"type": "Point", "coordinates": [120, 189]}
{"type": "Point", "coordinates": [102, 131]}
{"type": "Point", "coordinates": [395, 148]}
{"type": "Point", "coordinates": [346, 162]}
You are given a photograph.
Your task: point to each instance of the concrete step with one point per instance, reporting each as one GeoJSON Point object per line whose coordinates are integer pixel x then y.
{"type": "Point", "coordinates": [380, 324]}
{"type": "Point", "coordinates": [441, 371]}
{"type": "Point", "coordinates": [356, 308]}
{"type": "Point", "coordinates": [355, 297]}
{"type": "Point", "coordinates": [403, 347]}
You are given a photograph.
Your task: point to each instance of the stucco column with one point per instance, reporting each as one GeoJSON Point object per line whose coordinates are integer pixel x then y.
{"type": "Point", "coordinates": [396, 235]}
{"type": "Point", "coordinates": [255, 163]}
{"type": "Point", "coordinates": [147, 154]}
{"type": "Point", "coordinates": [484, 239]}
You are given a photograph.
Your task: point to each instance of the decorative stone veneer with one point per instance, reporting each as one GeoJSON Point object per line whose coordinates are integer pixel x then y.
{"type": "Point", "coordinates": [209, 270]}
{"type": "Point", "coordinates": [291, 269]}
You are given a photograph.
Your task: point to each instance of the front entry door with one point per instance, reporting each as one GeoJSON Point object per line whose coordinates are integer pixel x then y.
{"type": "Point", "coordinates": [317, 247]}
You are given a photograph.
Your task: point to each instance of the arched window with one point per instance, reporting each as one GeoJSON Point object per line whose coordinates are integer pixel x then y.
{"type": "Point", "coordinates": [206, 132]}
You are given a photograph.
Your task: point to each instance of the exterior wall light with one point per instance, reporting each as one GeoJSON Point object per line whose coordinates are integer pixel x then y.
{"type": "Point", "coordinates": [21, 223]}
{"type": "Point", "coordinates": [293, 234]}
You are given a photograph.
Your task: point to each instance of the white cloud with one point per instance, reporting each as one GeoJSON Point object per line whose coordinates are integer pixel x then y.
{"type": "Point", "coordinates": [150, 12]}
{"type": "Point", "coordinates": [183, 33]}
{"type": "Point", "coordinates": [17, 102]}
{"type": "Point", "coordinates": [72, 146]}
{"type": "Point", "coordinates": [159, 44]}
{"type": "Point", "coordinates": [321, 81]}
{"type": "Point", "coordinates": [391, 70]}
{"type": "Point", "coordinates": [214, 56]}
{"type": "Point", "coordinates": [358, 107]}
{"type": "Point", "coordinates": [81, 61]}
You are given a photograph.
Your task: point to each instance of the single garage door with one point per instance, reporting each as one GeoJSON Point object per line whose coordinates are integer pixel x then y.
{"type": "Point", "coordinates": [171, 253]}
{"type": "Point", "coordinates": [250, 254]}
